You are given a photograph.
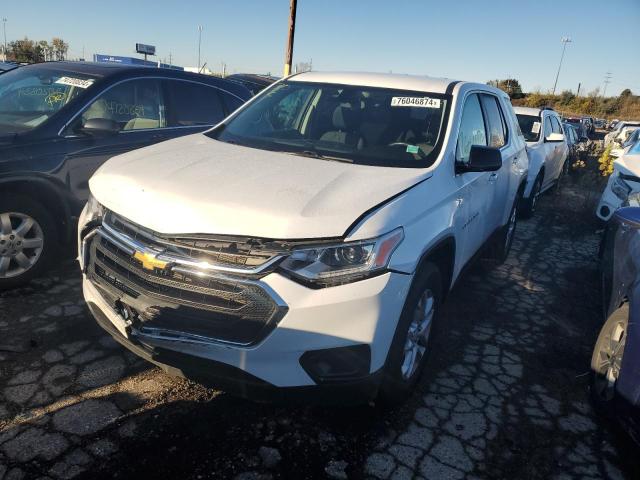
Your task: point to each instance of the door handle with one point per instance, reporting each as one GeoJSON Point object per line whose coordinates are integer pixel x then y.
{"type": "Point", "coordinates": [493, 177]}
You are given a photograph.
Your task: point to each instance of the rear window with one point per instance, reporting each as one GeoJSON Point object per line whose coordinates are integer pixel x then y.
{"type": "Point", "coordinates": [29, 96]}
{"type": "Point", "coordinates": [530, 125]}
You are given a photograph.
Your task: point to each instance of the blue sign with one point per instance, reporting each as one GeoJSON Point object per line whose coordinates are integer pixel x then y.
{"type": "Point", "coordinates": [99, 57]}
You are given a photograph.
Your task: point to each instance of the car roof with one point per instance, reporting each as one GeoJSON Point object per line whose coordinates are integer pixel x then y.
{"type": "Point", "coordinates": [528, 111]}
{"type": "Point", "coordinates": [105, 70]}
{"type": "Point", "coordinates": [382, 80]}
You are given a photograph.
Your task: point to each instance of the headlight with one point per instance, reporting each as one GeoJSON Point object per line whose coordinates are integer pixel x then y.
{"type": "Point", "coordinates": [345, 262]}
{"type": "Point", "coordinates": [620, 188]}
{"type": "Point", "coordinates": [93, 211]}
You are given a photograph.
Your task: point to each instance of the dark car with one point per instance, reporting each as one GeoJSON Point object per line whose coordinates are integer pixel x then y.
{"type": "Point", "coordinates": [579, 125]}
{"type": "Point", "coordinates": [615, 386]}
{"type": "Point", "coordinates": [254, 83]}
{"type": "Point", "coordinates": [571, 135]}
{"type": "Point", "coordinates": [60, 121]}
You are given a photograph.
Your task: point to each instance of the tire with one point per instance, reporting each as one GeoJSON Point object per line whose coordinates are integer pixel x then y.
{"type": "Point", "coordinates": [19, 263]}
{"type": "Point", "coordinates": [502, 244]}
{"type": "Point", "coordinates": [607, 357]}
{"type": "Point", "coordinates": [400, 374]}
{"type": "Point", "coordinates": [530, 204]}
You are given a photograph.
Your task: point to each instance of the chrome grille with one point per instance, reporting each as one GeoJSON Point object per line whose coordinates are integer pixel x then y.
{"type": "Point", "coordinates": [178, 299]}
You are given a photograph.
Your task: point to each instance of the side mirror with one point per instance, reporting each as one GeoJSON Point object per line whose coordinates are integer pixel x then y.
{"type": "Point", "coordinates": [554, 137]}
{"type": "Point", "coordinates": [481, 159]}
{"type": "Point", "coordinates": [629, 216]}
{"type": "Point", "coordinates": [100, 127]}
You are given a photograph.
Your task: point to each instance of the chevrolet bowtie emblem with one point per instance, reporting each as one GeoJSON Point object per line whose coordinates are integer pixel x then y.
{"type": "Point", "coordinates": [149, 261]}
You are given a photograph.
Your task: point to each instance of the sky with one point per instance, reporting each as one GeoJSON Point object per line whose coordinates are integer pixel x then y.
{"type": "Point", "coordinates": [462, 39]}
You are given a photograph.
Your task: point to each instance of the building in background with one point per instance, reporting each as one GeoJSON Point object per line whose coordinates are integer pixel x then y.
{"type": "Point", "coordinates": [99, 57]}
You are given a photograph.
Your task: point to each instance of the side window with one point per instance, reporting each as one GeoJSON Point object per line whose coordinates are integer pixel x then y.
{"type": "Point", "coordinates": [133, 105]}
{"type": "Point", "coordinates": [547, 126]}
{"type": "Point", "coordinates": [192, 104]}
{"type": "Point", "coordinates": [495, 122]}
{"type": "Point", "coordinates": [555, 125]}
{"type": "Point", "coordinates": [472, 129]}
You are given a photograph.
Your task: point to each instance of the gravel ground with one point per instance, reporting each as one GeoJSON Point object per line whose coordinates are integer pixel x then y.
{"type": "Point", "coordinates": [506, 394]}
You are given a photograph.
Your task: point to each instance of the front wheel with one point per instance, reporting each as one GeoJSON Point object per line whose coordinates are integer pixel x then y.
{"type": "Point", "coordinates": [530, 204]}
{"type": "Point", "coordinates": [412, 340]}
{"type": "Point", "coordinates": [27, 239]}
{"type": "Point", "coordinates": [503, 242]}
{"type": "Point", "coordinates": [607, 356]}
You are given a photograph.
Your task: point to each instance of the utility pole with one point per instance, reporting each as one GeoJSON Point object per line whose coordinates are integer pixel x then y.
{"type": "Point", "coordinates": [170, 59]}
{"type": "Point", "coordinates": [564, 41]}
{"type": "Point", "coordinates": [607, 81]}
{"type": "Point", "coordinates": [4, 24]}
{"type": "Point", "coordinates": [578, 92]}
{"type": "Point", "coordinates": [288, 57]}
{"type": "Point", "coordinates": [199, 43]}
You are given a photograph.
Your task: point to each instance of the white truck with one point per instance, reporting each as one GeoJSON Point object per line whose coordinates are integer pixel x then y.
{"type": "Point", "coordinates": [547, 150]}
{"type": "Point", "coordinates": [307, 242]}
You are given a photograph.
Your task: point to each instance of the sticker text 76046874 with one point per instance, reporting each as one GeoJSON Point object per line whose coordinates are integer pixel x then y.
{"type": "Point", "coordinates": [423, 102]}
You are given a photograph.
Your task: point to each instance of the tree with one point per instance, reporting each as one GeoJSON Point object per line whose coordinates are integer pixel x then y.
{"type": "Point", "coordinates": [60, 48]}
{"type": "Point", "coordinates": [29, 51]}
{"type": "Point", "coordinates": [22, 51]}
{"type": "Point", "coordinates": [626, 93]}
{"type": "Point", "coordinates": [509, 85]}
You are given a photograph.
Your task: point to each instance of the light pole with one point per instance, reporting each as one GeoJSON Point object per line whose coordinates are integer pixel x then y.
{"type": "Point", "coordinates": [4, 24]}
{"type": "Point", "coordinates": [199, 42]}
{"type": "Point", "coordinates": [564, 41]}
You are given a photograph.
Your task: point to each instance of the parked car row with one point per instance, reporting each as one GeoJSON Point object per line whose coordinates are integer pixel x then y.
{"type": "Point", "coordinates": [620, 133]}
{"type": "Point", "coordinates": [228, 239]}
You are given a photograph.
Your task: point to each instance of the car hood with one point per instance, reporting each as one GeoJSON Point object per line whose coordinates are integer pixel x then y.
{"type": "Point", "coordinates": [628, 164]}
{"type": "Point", "coordinates": [195, 184]}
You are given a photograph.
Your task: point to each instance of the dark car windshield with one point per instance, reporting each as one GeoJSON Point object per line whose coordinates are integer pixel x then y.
{"type": "Point", "coordinates": [530, 126]}
{"type": "Point", "coordinates": [362, 125]}
{"type": "Point", "coordinates": [29, 96]}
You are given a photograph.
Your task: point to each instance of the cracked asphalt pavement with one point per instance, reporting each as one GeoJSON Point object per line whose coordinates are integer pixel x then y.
{"type": "Point", "coordinates": [505, 394]}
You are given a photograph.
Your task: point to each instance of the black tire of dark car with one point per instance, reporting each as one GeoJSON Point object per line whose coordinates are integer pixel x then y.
{"type": "Point", "coordinates": [529, 204]}
{"type": "Point", "coordinates": [607, 357]}
{"type": "Point", "coordinates": [20, 208]}
{"type": "Point", "coordinates": [396, 385]}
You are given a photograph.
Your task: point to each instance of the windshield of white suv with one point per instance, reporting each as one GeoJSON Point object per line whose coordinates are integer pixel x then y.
{"type": "Point", "coordinates": [29, 96]}
{"type": "Point", "coordinates": [530, 126]}
{"type": "Point", "coordinates": [361, 125]}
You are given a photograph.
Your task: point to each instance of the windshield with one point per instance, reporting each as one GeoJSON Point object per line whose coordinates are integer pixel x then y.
{"type": "Point", "coordinates": [632, 138]}
{"type": "Point", "coordinates": [30, 96]}
{"type": "Point", "coordinates": [530, 126]}
{"type": "Point", "coordinates": [362, 125]}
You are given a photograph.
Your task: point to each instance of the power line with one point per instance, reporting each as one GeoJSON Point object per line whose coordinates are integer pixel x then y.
{"type": "Point", "coordinates": [564, 41]}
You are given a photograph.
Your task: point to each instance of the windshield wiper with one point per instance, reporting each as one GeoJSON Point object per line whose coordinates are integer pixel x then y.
{"type": "Point", "coordinates": [320, 156]}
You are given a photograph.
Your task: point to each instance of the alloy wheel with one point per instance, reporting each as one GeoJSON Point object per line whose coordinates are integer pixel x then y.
{"type": "Point", "coordinates": [21, 243]}
{"type": "Point", "coordinates": [418, 334]}
{"type": "Point", "coordinates": [609, 361]}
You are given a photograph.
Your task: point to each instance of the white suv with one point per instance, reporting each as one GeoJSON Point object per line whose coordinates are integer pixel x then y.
{"type": "Point", "coordinates": [547, 150]}
{"type": "Point", "coordinates": [310, 238]}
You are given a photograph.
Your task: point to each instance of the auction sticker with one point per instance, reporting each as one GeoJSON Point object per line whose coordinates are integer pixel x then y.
{"type": "Point", "coordinates": [535, 128]}
{"type": "Point", "coordinates": [423, 102]}
{"type": "Point", "coordinates": [75, 82]}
